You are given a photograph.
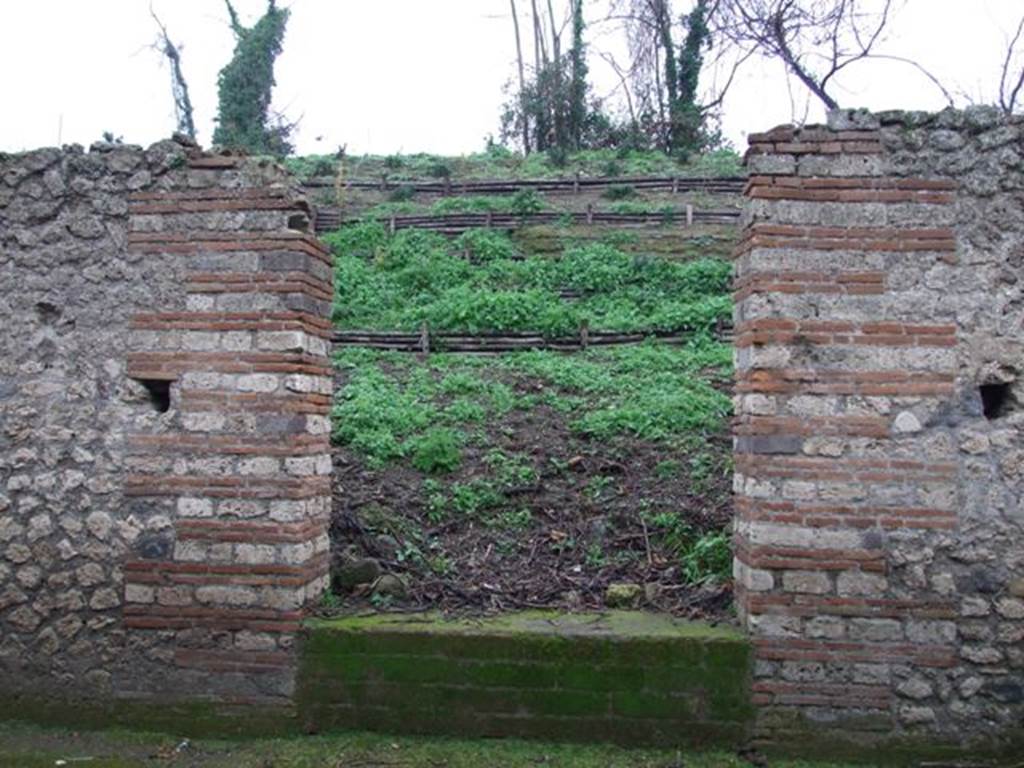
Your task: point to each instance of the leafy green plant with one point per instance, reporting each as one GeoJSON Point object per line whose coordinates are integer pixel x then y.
{"type": "Point", "coordinates": [442, 565]}
{"type": "Point", "coordinates": [595, 557]}
{"type": "Point", "coordinates": [437, 451]}
{"type": "Point", "coordinates": [709, 558]}
{"type": "Point", "coordinates": [619, 192]}
{"type": "Point", "coordinates": [330, 601]}
{"type": "Point", "coordinates": [526, 201]}
{"type": "Point", "coordinates": [510, 471]}
{"type": "Point", "coordinates": [515, 519]}
{"type": "Point", "coordinates": [474, 497]}
{"type": "Point", "coordinates": [487, 245]}
{"type": "Point", "coordinates": [611, 168]}
{"type": "Point", "coordinates": [437, 502]}
{"type": "Point", "coordinates": [400, 281]}
{"type": "Point", "coordinates": [439, 170]}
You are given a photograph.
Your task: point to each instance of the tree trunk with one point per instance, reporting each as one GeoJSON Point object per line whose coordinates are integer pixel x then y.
{"type": "Point", "coordinates": [540, 56]}
{"type": "Point", "coordinates": [557, 91]}
{"type": "Point", "coordinates": [522, 82]}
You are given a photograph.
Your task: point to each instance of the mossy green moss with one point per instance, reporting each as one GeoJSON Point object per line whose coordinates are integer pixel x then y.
{"type": "Point", "coordinates": [622, 676]}
{"type": "Point", "coordinates": [183, 716]}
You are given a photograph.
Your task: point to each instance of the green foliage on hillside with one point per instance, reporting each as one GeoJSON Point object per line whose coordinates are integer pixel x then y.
{"type": "Point", "coordinates": [394, 407]}
{"type": "Point", "coordinates": [398, 282]}
{"type": "Point", "coordinates": [500, 163]}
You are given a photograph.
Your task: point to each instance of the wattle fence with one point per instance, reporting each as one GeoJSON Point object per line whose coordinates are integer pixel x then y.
{"type": "Point", "coordinates": [729, 185]}
{"type": "Point", "coordinates": [493, 342]}
{"type": "Point", "coordinates": [328, 219]}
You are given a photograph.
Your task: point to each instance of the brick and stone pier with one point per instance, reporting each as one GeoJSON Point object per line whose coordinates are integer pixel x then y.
{"type": "Point", "coordinates": [878, 436]}
{"type": "Point", "coordinates": [164, 395]}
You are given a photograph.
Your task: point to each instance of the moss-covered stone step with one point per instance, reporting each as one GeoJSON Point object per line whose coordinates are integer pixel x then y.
{"type": "Point", "coordinates": [628, 677]}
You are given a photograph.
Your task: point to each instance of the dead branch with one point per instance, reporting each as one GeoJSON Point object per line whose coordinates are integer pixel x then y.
{"type": "Point", "coordinates": [1010, 83]}
{"type": "Point", "coordinates": [815, 39]}
{"type": "Point", "coordinates": [179, 86]}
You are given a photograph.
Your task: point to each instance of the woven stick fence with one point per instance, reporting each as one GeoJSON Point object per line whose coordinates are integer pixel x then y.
{"type": "Point", "coordinates": [730, 185]}
{"type": "Point", "coordinates": [328, 219]}
{"type": "Point", "coordinates": [426, 341]}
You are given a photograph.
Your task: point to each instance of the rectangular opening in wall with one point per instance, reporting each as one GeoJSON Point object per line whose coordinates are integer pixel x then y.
{"type": "Point", "coordinates": [996, 400]}
{"type": "Point", "coordinates": [159, 392]}
{"type": "Point", "coordinates": [556, 435]}
{"type": "Point", "coordinates": [531, 432]}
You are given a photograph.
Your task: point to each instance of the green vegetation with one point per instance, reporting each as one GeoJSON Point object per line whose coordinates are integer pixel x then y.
{"type": "Point", "coordinates": [244, 87]}
{"type": "Point", "coordinates": [500, 163]}
{"type": "Point", "coordinates": [395, 410]}
{"type": "Point", "coordinates": [393, 406]}
{"type": "Point", "coordinates": [32, 747]}
{"type": "Point", "coordinates": [400, 282]}
{"type": "Point", "coordinates": [605, 465]}
{"type": "Point", "coordinates": [523, 201]}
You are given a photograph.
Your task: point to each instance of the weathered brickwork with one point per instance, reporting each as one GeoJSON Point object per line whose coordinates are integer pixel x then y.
{"type": "Point", "coordinates": [627, 677]}
{"type": "Point", "coordinates": [880, 494]}
{"type": "Point", "coordinates": [164, 454]}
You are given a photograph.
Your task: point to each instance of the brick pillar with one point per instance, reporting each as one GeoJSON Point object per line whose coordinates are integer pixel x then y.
{"type": "Point", "coordinates": [239, 462]}
{"type": "Point", "coordinates": [837, 357]}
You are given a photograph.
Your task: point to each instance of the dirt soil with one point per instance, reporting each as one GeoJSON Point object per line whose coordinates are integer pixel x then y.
{"type": "Point", "coordinates": [592, 515]}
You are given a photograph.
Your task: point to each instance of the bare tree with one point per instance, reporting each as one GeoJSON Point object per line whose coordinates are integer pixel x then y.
{"type": "Point", "coordinates": [179, 87]}
{"type": "Point", "coordinates": [671, 54]}
{"type": "Point", "coordinates": [522, 81]}
{"type": "Point", "coordinates": [815, 39]}
{"type": "Point", "coordinates": [1011, 79]}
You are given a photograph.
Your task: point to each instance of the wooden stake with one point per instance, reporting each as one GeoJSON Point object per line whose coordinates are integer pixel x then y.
{"type": "Point", "coordinates": [425, 339]}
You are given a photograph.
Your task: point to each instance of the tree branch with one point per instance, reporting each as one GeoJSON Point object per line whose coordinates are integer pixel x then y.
{"type": "Point", "coordinates": [1008, 101]}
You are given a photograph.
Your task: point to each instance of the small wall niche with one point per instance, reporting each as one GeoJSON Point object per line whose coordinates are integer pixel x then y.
{"type": "Point", "coordinates": [996, 400]}
{"type": "Point", "coordinates": [159, 391]}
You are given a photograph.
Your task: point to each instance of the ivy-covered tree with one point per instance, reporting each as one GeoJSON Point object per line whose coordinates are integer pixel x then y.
{"type": "Point", "coordinates": [245, 85]}
{"type": "Point", "coordinates": [686, 112]}
{"type": "Point", "coordinates": [578, 86]}
{"type": "Point", "coordinates": [552, 110]}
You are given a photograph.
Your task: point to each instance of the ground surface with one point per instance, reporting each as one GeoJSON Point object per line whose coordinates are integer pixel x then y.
{"type": "Point", "coordinates": [534, 479]}
{"type": "Point", "coordinates": [30, 747]}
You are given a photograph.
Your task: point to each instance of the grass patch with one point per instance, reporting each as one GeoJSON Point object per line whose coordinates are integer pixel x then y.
{"type": "Point", "coordinates": [28, 746]}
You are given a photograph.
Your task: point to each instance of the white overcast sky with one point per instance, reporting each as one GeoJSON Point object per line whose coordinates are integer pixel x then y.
{"type": "Point", "coordinates": [387, 76]}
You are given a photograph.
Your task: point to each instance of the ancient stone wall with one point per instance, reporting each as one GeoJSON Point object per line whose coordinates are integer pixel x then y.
{"type": "Point", "coordinates": [879, 434]}
{"type": "Point", "coordinates": [164, 388]}
{"type": "Point", "coordinates": [164, 396]}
